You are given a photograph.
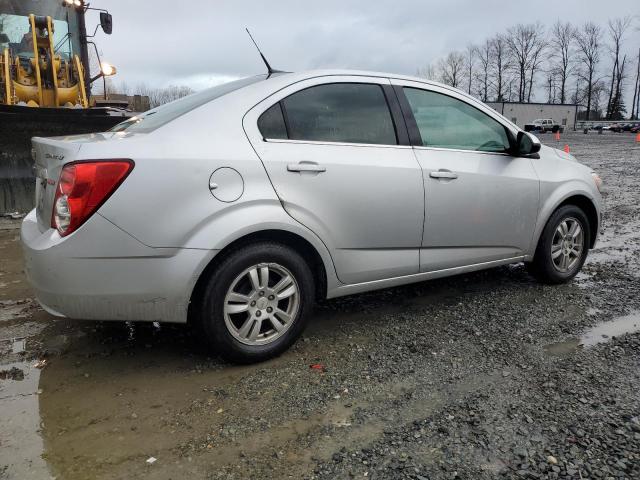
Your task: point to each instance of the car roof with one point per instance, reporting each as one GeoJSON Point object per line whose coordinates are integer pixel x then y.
{"type": "Point", "coordinates": [279, 80]}
{"type": "Point", "coordinates": [358, 73]}
{"type": "Point", "coordinates": [292, 77]}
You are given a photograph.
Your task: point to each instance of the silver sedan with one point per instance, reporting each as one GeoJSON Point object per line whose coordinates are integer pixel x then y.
{"type": "Point", "coordinates": [237, 207]}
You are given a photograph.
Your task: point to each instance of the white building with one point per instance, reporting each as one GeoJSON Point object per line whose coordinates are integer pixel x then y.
{"type": "Point", "coordinates": [521, 113]}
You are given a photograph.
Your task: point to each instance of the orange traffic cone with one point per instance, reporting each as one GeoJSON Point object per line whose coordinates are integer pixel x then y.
{"type": "Point", "coordinates": [566, 149]}
{"type": "Point", "coordinates": [558, 136]}
{"type": "Point", "coordinates": [638, 138]}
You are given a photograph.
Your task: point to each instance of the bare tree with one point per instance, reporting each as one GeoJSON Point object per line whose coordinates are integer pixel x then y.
{"type": "Point", "coordinates": [523, 43]}
{"type": "Point", "coordinates": [483, 53]}
{"type": "Point", "coordinates": [528, 61]}
{"type": "Point", "coordinates": [576, 97]}
{"type": "Point", "coordinates": [598, 95]}
{"type": "Point", "coordinates": [588, 39]}
{"type": "Point", "coordinates": [617, 108]}
{"type": "Point", "coordinates": [562, 39]}
{"type": "Point", "coordinates": [451, 69]}
{"type": "Point", "coordinates": [551, 86]}
{"type": "Point", "coordinates": [635, 114]}
{"type": "Point", "coordinates": [537, 58]}
{"type": "Point", "coordinates": [428, 72]}
{"type": "Point", "coordinates": [160, 96]}
{"type": "Point", "coordinates": [123, 88]}
{"type": "Point", "coordinates": [499, 65]}
{"type": "Point", "coordinates": [470, 57]}
{"type": "Point", "coordinates": [617, 29]}
{"type": "Point", "coordinates": [636, 93]}
{"type": "Point", "coordinates": [512, 95]}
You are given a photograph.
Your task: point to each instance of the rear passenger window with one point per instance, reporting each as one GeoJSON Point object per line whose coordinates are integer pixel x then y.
{"type": "Point", "coordinates": [340, 112]}
{"type": "Point", "coordinates": [271, 123]}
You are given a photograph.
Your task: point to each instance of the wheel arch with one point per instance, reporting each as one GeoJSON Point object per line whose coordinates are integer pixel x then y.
{"type": "Point", "coordinates": [578, 198]}
{"type": "Point", "coordinates": [304, 247]}
{"type": "Point", "coordinates": [587, 206]}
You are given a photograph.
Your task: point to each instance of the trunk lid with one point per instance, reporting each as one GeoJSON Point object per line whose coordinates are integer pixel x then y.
{"type": "Point", "coordinates": [50, 155]}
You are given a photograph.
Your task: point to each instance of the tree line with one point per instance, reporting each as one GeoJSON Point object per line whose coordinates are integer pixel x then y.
{"type": "Point", "coordinates": [581, 64]}
{"type": "Point", "coordinates": [157, 95]}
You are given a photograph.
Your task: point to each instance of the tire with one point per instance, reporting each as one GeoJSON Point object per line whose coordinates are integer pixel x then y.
{"type": "Point", "coordinates": [239, 277]}
{"type": "Point", "coordinates": [547, 269]}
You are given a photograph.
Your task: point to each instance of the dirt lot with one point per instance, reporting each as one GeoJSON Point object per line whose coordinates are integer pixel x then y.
{"type": "Point", "coordinates": [488, 375]}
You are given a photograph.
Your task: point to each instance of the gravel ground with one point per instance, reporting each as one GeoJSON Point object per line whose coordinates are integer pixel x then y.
{"type": "Point", "coordinates": [480, 376]}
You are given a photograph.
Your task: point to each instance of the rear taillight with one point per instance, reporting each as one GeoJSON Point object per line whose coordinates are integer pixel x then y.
{"type": "Point", "coordinates": [83, 187]}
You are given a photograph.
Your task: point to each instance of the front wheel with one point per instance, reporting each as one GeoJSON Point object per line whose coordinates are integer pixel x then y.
{"type": "Point", "coordinates": [563, 246]}
{"type": "Point", "coordinates": [257, 302]}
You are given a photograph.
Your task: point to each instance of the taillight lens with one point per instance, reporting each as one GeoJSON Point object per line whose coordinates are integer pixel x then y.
{"type": "Point", "coordinates": [83, 187]}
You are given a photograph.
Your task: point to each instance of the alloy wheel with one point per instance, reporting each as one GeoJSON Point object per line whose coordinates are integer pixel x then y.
{"type": "Point", "coordinates": [567, 245]}
{"type": "Point", "coordinates": [261, 304]}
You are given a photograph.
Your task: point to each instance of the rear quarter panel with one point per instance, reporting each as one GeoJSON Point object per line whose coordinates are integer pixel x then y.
{"type": "Point", "coordinates": [166, 199]}
{"type": "Point", "coordinates": [166, 202]}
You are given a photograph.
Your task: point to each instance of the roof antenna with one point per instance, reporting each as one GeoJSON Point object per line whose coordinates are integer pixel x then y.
{"type": "Point", "coordinates": [269, 69]}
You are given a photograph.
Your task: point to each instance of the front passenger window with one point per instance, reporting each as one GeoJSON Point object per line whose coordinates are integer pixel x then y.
{"type": "Point", "coordinates": [446, 122]}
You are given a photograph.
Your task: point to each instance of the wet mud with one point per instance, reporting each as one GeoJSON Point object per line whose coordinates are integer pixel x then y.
{"type": "Point", "coordinates": [483, 375]}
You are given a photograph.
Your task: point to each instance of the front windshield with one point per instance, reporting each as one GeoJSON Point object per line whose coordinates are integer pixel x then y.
{"type": "Point", "coordinates": [153, 119]}
{"type": "Point", "coordinates": [15, 28]}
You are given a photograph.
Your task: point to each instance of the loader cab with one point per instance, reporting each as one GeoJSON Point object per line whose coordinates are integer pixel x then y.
{"type": "Point", "coordinates": [17, 35]}
{"type": "Point", "coordinates": [43, 44]}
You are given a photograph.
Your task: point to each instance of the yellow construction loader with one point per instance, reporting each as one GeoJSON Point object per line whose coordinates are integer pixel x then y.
{"type": "Point", "coordinates": [45, 85]}
{"type": "Point", "coordinates": [36, 75]}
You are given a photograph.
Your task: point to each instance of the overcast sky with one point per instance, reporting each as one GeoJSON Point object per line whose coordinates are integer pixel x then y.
{"type": "Point", "coordinates": [201, 43]}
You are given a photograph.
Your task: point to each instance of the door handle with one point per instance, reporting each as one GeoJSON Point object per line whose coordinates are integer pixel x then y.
{"type": "Point", "coordinates": [447, 174]}
{"type": "Point", "coordinates": [305, 167]}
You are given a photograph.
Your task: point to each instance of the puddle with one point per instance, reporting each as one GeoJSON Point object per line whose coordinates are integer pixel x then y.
{"type": "Point", "coordinates": [12, 309]}
{"type": "Point", "coordinates": [22, 445]}
{"type": "Point", "coordinates": [560, 349]}
{"type": "Point", "coordinates": [19, 345]}
{"type": "Point", "coordinates": [618, 245]}
{"type": "Point", "coordinates": [599, 334]}
{"type": "Point", "coordinates": [603, 332]}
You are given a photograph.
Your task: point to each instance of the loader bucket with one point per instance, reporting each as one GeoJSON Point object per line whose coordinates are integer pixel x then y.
{"type": "Point", "coordinates": [18, 125]}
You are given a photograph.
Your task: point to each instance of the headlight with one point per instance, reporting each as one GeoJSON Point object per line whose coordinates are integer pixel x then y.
{"type": "Point", "coordinates": [597, 180]}
{"type": "Point", "coordinates": [107, 69]}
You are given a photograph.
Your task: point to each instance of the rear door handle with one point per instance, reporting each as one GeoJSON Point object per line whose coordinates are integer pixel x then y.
{"type": "Point", "coordinates": [448, 174]}
{"type": "Point", "coordinates": [305, 167]}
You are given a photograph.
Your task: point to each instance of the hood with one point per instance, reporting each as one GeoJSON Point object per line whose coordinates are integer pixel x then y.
{"type": "Point", "coordinates": [550, 152]}
{"type": "Point", "coordinates": [564, 155]}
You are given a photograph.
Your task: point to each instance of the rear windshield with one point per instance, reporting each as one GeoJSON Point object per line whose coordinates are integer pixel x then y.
{"type": "Point", "coordinates": [153, 119]}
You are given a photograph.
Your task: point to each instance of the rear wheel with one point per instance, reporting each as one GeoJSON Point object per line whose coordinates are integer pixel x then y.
{"type": "Point", "coordinates": [256, 303]}
{"type": "Point", "coordinates": [563, 246]}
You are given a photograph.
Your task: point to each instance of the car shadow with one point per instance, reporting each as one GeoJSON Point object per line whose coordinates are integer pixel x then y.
{"type": "Point", "coordinates": [160, 342]}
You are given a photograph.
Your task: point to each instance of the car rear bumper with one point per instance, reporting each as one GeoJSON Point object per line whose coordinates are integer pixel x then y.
{"type": "Point", "coordinates": [102, 273]}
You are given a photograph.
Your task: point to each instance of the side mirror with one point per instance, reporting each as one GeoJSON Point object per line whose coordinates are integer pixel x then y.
{"type": "Point", "coordinates": [106, 22]}
{"type": "Point", "coordinates": [527, 144]}
{"type": "Point", "coordinates": [4, 38]}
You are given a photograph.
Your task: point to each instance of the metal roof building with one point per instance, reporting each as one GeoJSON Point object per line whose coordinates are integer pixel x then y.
{"type": "Point", "coordinates": [520, 113]}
